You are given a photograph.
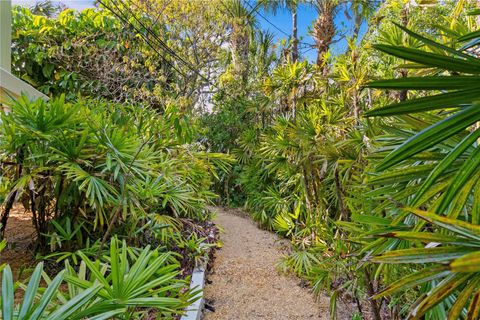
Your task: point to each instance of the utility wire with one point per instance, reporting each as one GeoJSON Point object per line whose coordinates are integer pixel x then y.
{"type": "Point", "coordinates": [158, 39]}
{"type": "Point", "coordinates": [272, 24]}
{"type": "Point", "coordinates": [264, 18]}
{"type": "Point", "coordinates": [125, 21]}
{"type": "Point", "coordinates": [121, 15]}
{"type": "Point", "coordinates": [163, 46]}
{"type": "Point", "coordinates": [249, 13]}
{"type": "Point", "coordinates": [159, 42]}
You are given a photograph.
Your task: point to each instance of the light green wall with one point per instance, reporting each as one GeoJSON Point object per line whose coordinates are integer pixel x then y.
{"type": "Point", "coordinates": [5, 34]}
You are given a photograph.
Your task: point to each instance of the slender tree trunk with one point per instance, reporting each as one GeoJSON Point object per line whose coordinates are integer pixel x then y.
{"type": "Point", "coordinates": [356, 29]}
{"type": "Point", "coordinates": [226, 189]}
{"type": "Point", "coordinates": [294, 34]}
{"type": "Point", "coordinates": [12, 196]}
{"type": "Point", "coordinates": [6, 212]}
{"type": "Point", "coordinates": [371, 293]}
{"type": "Point", "coordinates": [344, 212]}
{"type": "Point", "coordinates": [42, 215]}
{"type": "Point", "coordinates": [240, 42]}
{"type": "Point", "coordinates": [294, 53]}
{"type": "Point", "coordinates": [356, 106]}
{"type": "Point", "coordinates": [33, 208]}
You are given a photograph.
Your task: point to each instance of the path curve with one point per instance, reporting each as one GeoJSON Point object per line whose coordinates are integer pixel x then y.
{"type": "Point", "coordinates": [244, 283]}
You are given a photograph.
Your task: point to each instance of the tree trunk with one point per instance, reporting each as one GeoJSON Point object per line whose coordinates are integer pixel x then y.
{"type": "Point", "coordinates": [6, 212]}
{"type": "Point", "coordinates": [294, 34]}
{"type": "Point", "coordinates": [240, 43]}
{"type": "Point", "coordinates": [12, 196]}
{"type": "Point", "coordinates": [324, 29]}
{"type": "Point", "coordinates": [371, 292]}
{"type": "Point", "coordinates": [356, 29]}
{"type": "Point", "coordinates": [356, 106]}
{"type": "Point", "coordinates": [344, 212]}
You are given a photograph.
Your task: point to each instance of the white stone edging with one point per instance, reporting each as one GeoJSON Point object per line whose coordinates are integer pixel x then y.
{"type": "Point", "coordinates": [194, 311]}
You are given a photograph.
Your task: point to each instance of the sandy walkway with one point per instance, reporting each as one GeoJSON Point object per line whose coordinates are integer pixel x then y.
{"type": "Point", "coordinates": [245, 284]}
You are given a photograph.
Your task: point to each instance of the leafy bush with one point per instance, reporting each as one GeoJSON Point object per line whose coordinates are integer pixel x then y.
{"type": "Point", "coordinates": [93, 165]}
{"type": "Point", "coordinates": [44, 48]}
{"type": "Point", "coordinates": [437, 168]}
{"type": "Point", "coordinates": [126, 282]}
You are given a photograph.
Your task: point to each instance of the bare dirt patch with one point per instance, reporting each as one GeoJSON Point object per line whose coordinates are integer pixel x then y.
{"type": "Point", "coordinates": [20, 235]}
{"type": "Point", "coordinates": [245, 284]}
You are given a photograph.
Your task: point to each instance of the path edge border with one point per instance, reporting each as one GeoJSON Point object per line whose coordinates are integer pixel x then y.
{"type": "Point", "coordinates": [197, 282]}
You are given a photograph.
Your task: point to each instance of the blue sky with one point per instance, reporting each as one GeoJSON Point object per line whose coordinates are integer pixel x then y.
{"type": "Point", "coordinates": [306, 16]}
{"type": "Point", "coordinates": [282, 20]}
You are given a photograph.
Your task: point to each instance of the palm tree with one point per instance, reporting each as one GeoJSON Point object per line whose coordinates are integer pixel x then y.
{"type": "Point", "coordinates": [324, 27]}
{"type": "Point", "coordinates": [361, 11]}
{"type": "Point", "coordinates": [241, 21]}
{"type": "Point", "coordinates": [290, 5]}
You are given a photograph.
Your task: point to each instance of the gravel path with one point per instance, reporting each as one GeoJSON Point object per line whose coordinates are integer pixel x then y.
{"type": "Point", "coordinates": [245, 284]}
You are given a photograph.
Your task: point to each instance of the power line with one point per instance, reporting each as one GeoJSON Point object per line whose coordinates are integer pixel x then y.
{"type": "Point", "coordinates": [121, 15]}
{"type": "Point", "coordinates": [125, 21]}
{"type": "Point", "coordinates": [268, 21]}
{"type": "Point", "coordinates": [163, 46]}
{"type": "Point", "coordinates": [159, 42]}
{"type": "Point", "coordinates": [158, 39]}
{"type": "Point", "coordinates": [272, 24]}
{"type": "Point", "coordinates": [249, 13]}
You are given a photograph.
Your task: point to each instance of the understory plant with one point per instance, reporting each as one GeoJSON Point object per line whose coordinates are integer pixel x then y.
{"type": "Point", "coordinates": [433, 164]}
{"type": "Point", "coordinates": [127, 283]}
{"type": "Point", "coordinates": [374, 183]}
{"type": "Point", "coordinates": [90, 168]}
{"type": "Point", "coordinates": [359, 196]}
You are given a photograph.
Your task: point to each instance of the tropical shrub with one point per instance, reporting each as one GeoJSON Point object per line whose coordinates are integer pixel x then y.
{"type": "Point", "coordinates": [44, 48]}
{"type": "Point", "coordinates": [114, 153]}
{"type": "Point", "coordinates": [434, 167]}
{"type": "Point", "coordinates": [32, 309]}
{"type": "Point", "coordinates": [381, 210]}
{"type": "Point", "coordinates": [102, 168]}
{"type": "Point", "coordinates": [127, 283]}
{"type": "Point", "coordinates": [307, 167]}
{"type": "Point", "coordinates": [94, 53]}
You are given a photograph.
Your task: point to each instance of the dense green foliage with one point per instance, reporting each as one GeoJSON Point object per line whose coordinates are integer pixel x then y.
{"type": "Point", "coordinates": [44, 49]}
{"type": "Point", "coordinates": [108, 162]}
{"type": "Point", "coordinates": [113, 153]}
{"type": "Point", "coordinates": [94, 54]}
{"type": "Point", "coordinates": [367, 160]}
{"type": "Point", "coordinates": [373, 209]}
{"type": "Point", "coordinates": [123, 286]}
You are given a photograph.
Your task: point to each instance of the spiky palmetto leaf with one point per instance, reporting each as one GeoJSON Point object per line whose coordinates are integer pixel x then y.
{"type": "Point", "coordinates": [90, 160]}
{"type": "Point", "coordinates": [40, 303]}
{"type": "Point", "coordinates": [455, 255]}
{"type": "Point", "coordinates": [125, 282]}
{"type": "Point", "coordinates": [433, 160]}
{"type": "Point", "coordinates": [132, 280]}
{"type": "Point", "coordinates": [444, 143]}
